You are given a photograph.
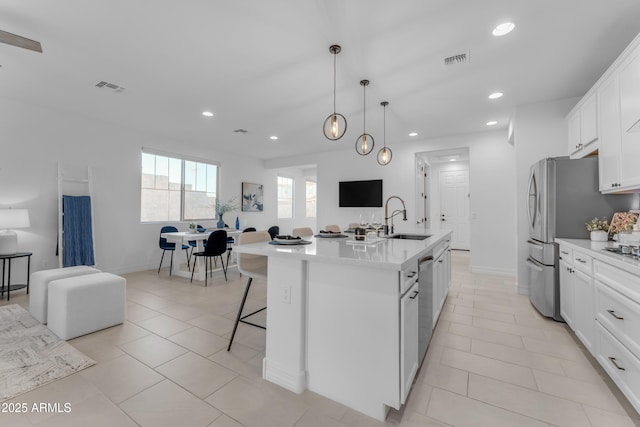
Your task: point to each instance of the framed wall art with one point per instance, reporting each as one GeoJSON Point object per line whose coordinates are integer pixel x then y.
{"type": "Point", "coordinates": [252, 197]}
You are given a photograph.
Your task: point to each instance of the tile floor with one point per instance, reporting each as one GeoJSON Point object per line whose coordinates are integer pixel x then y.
{"type": "Point", "coordinates": [493, 362]}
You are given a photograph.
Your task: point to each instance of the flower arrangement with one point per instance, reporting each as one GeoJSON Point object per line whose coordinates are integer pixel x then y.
{"type": "Point", "coordinates": [222, 207]}
{"type": "Point", "coordinates": [623, 221]}
{"type": "Point", "coordinates": [597, 224]}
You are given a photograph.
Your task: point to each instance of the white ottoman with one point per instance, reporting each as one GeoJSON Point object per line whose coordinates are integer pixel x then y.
{"type": "Point", "coordinates": [39, 284]}
{"type": "Point", "coordinates": [84, 304]}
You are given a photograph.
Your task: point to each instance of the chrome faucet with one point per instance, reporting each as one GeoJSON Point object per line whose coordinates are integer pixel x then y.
{"type": "Point", "coordinates": [394, 213]}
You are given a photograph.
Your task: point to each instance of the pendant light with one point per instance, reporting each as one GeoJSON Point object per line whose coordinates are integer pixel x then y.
{"type": "Point", "coordinates": [384, 155]}
{"type": "Point", "coordinates": [365, 142]}
{"type": "Point", "coordinates": [335, 125]}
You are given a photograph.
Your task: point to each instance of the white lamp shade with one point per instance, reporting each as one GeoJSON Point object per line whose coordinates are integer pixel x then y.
{"type": "Point", "coordinates": [14, 218]}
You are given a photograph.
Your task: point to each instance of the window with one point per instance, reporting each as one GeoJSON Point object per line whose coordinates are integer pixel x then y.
{"type": "Point", "coordinates": [285, 197]}
{"type": "Point", "coordinates": [177, 189]}
{"type": "Point", "coordinates": [311, 199]}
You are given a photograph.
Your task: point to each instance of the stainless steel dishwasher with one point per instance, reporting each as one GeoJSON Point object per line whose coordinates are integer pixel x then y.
{"type": "Point", "coordinates": [425, 307]}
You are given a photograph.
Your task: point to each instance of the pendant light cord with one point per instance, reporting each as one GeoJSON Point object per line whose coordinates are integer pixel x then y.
{"type": "Point", "coordinates": [384, 126]}
{"type": "Point", "coordinates": [334, 83]}
{"type": "Point", "coordinates": [364, 109]}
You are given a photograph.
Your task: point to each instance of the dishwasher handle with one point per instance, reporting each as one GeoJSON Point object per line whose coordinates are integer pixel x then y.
{"type": "Point", "coordinates": [428, 258]}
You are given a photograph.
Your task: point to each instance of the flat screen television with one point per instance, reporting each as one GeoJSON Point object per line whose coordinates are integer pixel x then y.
{"type": "Point", "coordinates": [361, 194]}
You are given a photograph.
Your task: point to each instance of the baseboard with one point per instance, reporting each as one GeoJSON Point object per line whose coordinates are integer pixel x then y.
{"type": "Point", "coordinates": [507, 272]}
{"type": "Point", "coordinates": [278, 374]}
{"type": "Point", "coordinates": [522, 289]}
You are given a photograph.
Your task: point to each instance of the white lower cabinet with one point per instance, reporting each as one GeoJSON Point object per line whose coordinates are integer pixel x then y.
{"type": "Point", "coordinates": [576, 299]}
{"type": "Point", "coordinates": [409, 362]}
{"type": "Point", "coordinates": [622, 366]}
{"type": "Point", "coordinates": [601, 304]}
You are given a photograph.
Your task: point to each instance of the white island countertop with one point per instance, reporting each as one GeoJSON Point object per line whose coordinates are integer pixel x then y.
{"type": "Point", "coordinates": [388, 254]}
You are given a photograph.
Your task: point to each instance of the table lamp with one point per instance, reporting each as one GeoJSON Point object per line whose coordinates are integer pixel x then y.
{"type": "Point", "coordinates": [10, 219]}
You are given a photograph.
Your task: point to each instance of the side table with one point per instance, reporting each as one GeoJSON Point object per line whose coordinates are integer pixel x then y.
{"type": "Point", "coordinates": [8, 287]}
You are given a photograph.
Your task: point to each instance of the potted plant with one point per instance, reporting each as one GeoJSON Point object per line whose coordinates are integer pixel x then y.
{"type": "Point", "coordinates": [222, 207]}
{"type": "Point", "coordinates": [599, 229]}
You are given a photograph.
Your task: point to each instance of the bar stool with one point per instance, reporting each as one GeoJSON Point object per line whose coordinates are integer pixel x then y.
{"type": "Point", "coordinates": [252, 266]}
{"type": "Point", "coordinates": [302, 232]}
{"type": "Point", "coordinates": [332, 228]}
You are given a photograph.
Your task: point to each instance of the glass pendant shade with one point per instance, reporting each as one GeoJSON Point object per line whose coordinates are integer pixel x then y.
{"type": "Point", "coordinates": [365, 142]}
{"type": "Point", "coordinates": [335, 125]}
{"type": "Point", "coordinates": [385, 154]}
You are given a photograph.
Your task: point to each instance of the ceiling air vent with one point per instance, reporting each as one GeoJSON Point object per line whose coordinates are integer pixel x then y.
{"type": "Point", "coordinates": [460, 58]}
{"type": "Point", "coordinates": [240, 131]}
{"type": "Point", "coordinates": [110, 86]}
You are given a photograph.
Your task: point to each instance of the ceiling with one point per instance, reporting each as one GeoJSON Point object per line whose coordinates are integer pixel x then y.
{"type": "Point", "coordinates": [265, 66]}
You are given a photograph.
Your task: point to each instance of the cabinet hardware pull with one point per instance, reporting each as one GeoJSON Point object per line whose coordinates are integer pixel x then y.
{"type": "Point", "coordinates": [613, 360]}
{"type": "Point", "coordinates": [564, 252]}
{"type": "Point", "coordinates": [411, 274]}
{"type": "Point", "coordinates": [613, 313]}
{"type": "Point", "coordinates": [581, 260]}
{"type": "Point", "coordinates": [439, 260]}
{"type": "Point", "coordinates": [425, 259]}
{"type": "Point", "coordinates": [415, 294]}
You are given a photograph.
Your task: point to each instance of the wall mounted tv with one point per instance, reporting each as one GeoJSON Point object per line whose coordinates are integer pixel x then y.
{"type": "Point", "coordinates": [361, 194]}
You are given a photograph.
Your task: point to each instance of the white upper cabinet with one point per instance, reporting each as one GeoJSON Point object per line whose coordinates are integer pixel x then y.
{"type": "Point", "coordinates": [609, 153]}
{"type": "Point", "coordinates": [615, 134]}
{"type": "Point", "coordinates": [583, 127]}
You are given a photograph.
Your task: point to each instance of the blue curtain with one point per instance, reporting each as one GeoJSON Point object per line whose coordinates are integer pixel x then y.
{"type": "Point", "coordinates": [77, 231]}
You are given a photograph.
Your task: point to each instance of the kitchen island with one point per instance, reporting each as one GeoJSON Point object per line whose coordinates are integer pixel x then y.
{"type": "Point", "coordinates": [342, 317]}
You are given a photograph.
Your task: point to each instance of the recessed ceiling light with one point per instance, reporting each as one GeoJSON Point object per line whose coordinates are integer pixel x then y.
{"type": "Point", "coordinates": [503, 29]}
{"type": "Point", "coordinates": [452, 160]}
{"type": "Point", "coordinates": [496, 95]}
{"type": "Point", "coordinates": [492, 123]}
{"type": "Point", "coordinates": [273, 137]}
{"type": "Point", "coordinates": [207, 113]}
{"type": "Point", "coordinates": [413, 134]}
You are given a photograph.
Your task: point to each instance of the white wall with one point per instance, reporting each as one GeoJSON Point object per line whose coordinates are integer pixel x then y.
{"type": "Point", "coordinates": [34, 140]}
{"type": "Point", "coordinates": [540, 131]}
{"type": "Point", "coordinates": [492, 184]}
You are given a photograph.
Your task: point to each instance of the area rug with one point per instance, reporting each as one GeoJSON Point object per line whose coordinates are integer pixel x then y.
{"type": "Point", "coordinates": [31, 355]}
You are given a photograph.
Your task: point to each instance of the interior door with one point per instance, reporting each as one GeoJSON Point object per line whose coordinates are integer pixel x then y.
{"type": "Point", "coordinates": [454, 206]}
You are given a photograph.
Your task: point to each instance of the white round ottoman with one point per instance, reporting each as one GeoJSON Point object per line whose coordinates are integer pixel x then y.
{"type": "Point", "coordinates": [39, 284]}
{"type": "Point", "coordinates": [84, 304]}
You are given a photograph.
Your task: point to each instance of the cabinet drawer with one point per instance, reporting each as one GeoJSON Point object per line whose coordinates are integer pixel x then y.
{"type": "Point", "coordinates": [582, 262]}
{"type": "Point", "coordinates": [626, 283]}
{"type": "Point", "coordinates": [566, 253]}
{"type": "Point", "coordinates": [407, 278]}
{"type": "Point", "coordinates": [619, 315]}
{"type": "Point", "coordinates": [622, 366]}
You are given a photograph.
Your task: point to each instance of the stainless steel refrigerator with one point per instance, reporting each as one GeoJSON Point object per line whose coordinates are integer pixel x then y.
{"type": "Point", "coordinates": [563, 196]}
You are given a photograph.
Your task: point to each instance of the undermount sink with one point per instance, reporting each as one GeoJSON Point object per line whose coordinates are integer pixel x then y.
{"type": "Point", "coordinates": [409, 236]}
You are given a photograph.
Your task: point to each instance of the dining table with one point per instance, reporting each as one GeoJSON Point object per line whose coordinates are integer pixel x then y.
{"type": "Point", "coordinates": [184, 237]}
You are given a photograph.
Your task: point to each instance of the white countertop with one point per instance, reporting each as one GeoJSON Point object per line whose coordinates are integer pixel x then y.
{"type": "Point", "coordinates": [390, 254]}
{"type": "Point", "coordinates": [597, 251]}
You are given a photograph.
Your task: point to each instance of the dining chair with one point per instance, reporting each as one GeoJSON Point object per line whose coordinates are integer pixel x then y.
{"type": "Point", "coordinates": [168, 246]}
{"type": "Point", "coordinates": [302, 231]}
{"type": "Point", "coordinates": [273, 231]}
{"type": "Point", "coordinates": [333, 228]}
{"type": "Point", "coordinates": [253, 266]}
{"type": "Point", "coordinates": [216, 246]}
{"type": "Point", "coordinates": [194, 244]}
{"type": "Point", "coordinates": [248, 229]}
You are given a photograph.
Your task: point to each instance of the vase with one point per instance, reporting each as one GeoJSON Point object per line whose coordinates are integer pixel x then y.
{"type": "Point", "coordinates": [220, 223]}
{"type": "Point", "coordinates": [599, 236]}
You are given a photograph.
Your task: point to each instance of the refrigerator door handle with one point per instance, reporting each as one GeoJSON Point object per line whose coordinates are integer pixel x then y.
{"type": "Point", "coordinates": [535, 201]}
{"type": "Point", "coordinates": [534, 265]}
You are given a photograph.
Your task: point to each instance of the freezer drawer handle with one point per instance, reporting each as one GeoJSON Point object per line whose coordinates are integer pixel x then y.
{"type": "Point", "coordinates": [613, 360]}
{"type": "Point", "coordinates": [535, 267]}
{"type": "Point", "coordinates": [415, 294]}
{"type": "Point", "coordinates": [613, 313]}
{"type": "Point", "coordinates": [537, 245]}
